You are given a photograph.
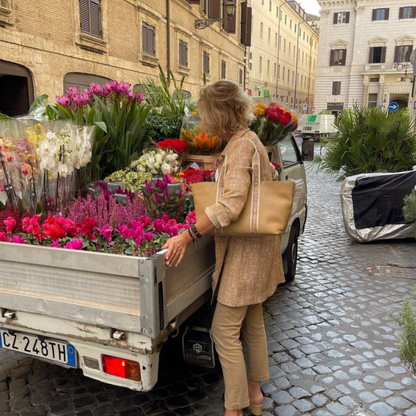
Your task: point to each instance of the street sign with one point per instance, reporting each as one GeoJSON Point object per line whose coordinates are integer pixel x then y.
{"type": "Point", "coordinates": [305, 107]}
{"type": "Point", "coordinates": [393, 106]}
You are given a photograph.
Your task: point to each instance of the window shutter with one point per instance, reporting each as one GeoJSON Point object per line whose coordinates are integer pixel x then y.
{"type": "Point", "coordinates": [207, 64]}
{"type": "Point", "coordinates": [248, 33]}
{"type": "Point", "coordinates": [401, 13]}
{"type": "Point", "coordinates": [332, 58]}
{"type": "Point", "coordinates": [243, 23]}
{"type": "Point", "coordinates": [214, 9]}
{"type": "Point", "coordinates": [186, 54]}
{"type": "Point", "coordinates": [386, 14]}
{"type": "Point", "coordinates": [413, 12]}
{"type": "Point", "coordinates": [383, 54]}
{"type": "Point", "coordinates": [335, 18]}
{"type": "Point", "coordinates": [347, 19]}
{"type": "Point", "coordinates": [229, 24]}
{"type": "Point", "coordinates": [371, 57]}
{"type": "Point", "coordinates": [396, 53]}
{"type": "Point", "coordinates": [374, 14]}
{"type": "Point", "coordinates": [344, 57]}
{"type": "Point", "coordinates": [145, 39]}
{"type": "Point", "coordinates": [84, 12]}
{"type": "Point", "coordinates": [95, 18]}
{"type": "Point", "coordinates": [152, 41]}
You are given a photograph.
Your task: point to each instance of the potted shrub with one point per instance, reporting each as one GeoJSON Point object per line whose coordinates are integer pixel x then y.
{"type": "Point", "coordinates": [373, 154]}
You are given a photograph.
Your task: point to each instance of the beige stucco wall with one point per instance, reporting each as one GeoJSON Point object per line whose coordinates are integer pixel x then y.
{"type": "Point", "coordinates": [44, 37]}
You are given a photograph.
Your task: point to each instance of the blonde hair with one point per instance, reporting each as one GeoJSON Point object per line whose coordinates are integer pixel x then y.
{"type": "Point", "coordinates": [224, 107]}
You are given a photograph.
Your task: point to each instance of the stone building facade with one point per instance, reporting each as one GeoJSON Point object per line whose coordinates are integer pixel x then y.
{"type": "Point", "coordinates": [364, 53]}
{"type": "Point", "coordinates": [49, 45]}
{"type": "Point", "coordinates": [283, 54]}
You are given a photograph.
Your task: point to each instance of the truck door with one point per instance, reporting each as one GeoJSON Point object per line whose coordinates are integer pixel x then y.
{"type": "Point", "coordinates": [293, 167]}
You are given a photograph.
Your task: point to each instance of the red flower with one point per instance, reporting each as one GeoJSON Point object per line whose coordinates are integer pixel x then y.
{"type": "Point", "coordinates": [10, 223]}
{"type": "Point", "coordinates": [54, 231]}
{"type": "Point", "coordinates": [165, 144]}
{"type": "Point", "coordinates": [276, 165]}
{"type": "Point", "coordinates": [179, 146]}
{"type": "Point", "coordinates": [87, 227]}
{"type": "Point", "coordinates": [285, 120]}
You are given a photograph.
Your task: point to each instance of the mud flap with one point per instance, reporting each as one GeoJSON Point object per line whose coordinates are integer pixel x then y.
{"type": "Point", "coordinates": [198, 347]}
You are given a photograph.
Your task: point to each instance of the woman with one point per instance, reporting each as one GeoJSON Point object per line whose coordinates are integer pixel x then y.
{"type": "Point", "coordinates": [248, 270]}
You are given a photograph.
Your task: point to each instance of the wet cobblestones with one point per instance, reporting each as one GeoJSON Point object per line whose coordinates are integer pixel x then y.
{"type": "Point", "coordinates": [332, 347]}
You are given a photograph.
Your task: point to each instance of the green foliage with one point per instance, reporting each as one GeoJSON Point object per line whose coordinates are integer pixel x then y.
{"type": "Point", "coordinates": [370, 140]}
{"type": "Point", "coordinates": [3, 116]}
{"type": "Point", "coordinates": [165, 119]}
{"type": "Point", "coordinates": [409, 209]}
{"type": "Point", "coordinates": [407, 346]}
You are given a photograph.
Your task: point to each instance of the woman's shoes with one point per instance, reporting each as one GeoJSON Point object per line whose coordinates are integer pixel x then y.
{"type": "Point", "coordinates": [256, 409]}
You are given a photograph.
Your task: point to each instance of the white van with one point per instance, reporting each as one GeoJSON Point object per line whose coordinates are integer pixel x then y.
{"type": "Point", "coordinates": [317, 126]}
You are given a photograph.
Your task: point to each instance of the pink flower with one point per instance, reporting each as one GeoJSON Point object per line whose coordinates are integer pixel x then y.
{"type": "Point", "coordinates": [4, 238]}
{"type": "Point", "coordinates": [75, 244]}
{"type": "Point", "coordinates": [77, 100]}
{"type": "Point", "coordinates": [95, 88]}
{"type": "Point", "coordinates": [64, 100]}
{"type": "Point", "coordinates": [105, 92]}
{"type": "Point", "coordinates": [106, 232]}
{"type": "Point", "coordinates": [72, 92]}
{"type": "Point", "coordinates": [148, 236]}
{"type": "Point", "coordinates": [10, 223]}
{"type": "Point", "coordinates": [124, 87]}
{"type": "Point", "coordinates": [115, 87]}
{"type": "Point", "coordinates": [130, 96]}
{"type": "Point", "coordinates": [55, 244]}
{"type": "Point", "coordinates": [18, 240]}
{"type": "Point", "coordinates": [139, 97]}
{"type": "Point", "coordinates": [84, 98]}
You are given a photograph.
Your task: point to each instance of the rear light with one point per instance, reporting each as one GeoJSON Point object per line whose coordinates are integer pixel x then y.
{"type": "Point", "coordinates": [120, 367]}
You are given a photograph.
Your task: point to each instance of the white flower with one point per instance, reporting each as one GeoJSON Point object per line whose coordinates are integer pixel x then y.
{"type": "Point", "coordinates": [51, 136]}
{"type": "Point", "coordinates": [47, 148]}
{"type": "Point", "coordinates": [157, 165]}
{"type": "Point", "coordinates": [47, 163]}
{"type": "Point", "coordinates": [86, 157]}
{"type": "Point", "coordinates": [62, 169]}
{"type": "Point", "coordinates": [165, 168]}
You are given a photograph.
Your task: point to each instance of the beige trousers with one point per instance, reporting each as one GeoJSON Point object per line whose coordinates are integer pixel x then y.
{"type": "Point", "coordinates": [233, 328]}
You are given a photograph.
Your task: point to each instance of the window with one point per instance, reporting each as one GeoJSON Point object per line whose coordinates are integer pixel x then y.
{"type": "Point", "coordinates": [293, 77]}
{"type": "Point", "coordinates": [148, 39]}
{"type": "Point", "coordinates": [407, 12]}
{"type": "Point", "coordinates": [261, 30]}
{"type": "Point", "coordinates": [275, 70]}
{"type": "Point", "coordinates": [284, 71]}
{"type": "Point", "coordinates": [402, 53]}
{"type": "Point", "coordinates": [280, 42]}
{"type": "Point", "coordinates": [270, 5]}
{"type": "Point", "coordinates": [377, 55]}
{"type": "Point", "coordinates": [341, 17]}
{"type": "Point", "coordinates": [301, 80]}
{"type": "Point", "coordinates": [277, 11]}
{"type": "Point", "coordinates": [290, 47]}
{"type": "Point", "coordinates": [278, 71]}
{"type": "Point", "coordinates": [223, 70]}
{"type": "Point", "coordinates": [240, 77]}
{"type": "Point", "coordinates": [380, 14]}
{"type": "Point", "coordinates": [90, 17]}
{"type": "Point", "coordinates": [285, 19]}
{"type": "Point", "coordinates": [338, 57]}
{"type": "Point", "coordinates": [284, 45]}
{"type": "Point", "coordinates": [261, 65]}
{"type": "Point", "coordinates": [290, 23]}
{"type": "Point", "coordinates": [289, 151]}
{"type": "Point", "coordinates": [183, 53]}
{"type": "Point", "coordinates": [205, 63]}
{"type": "Point", "coordinates": [269, 35]}
{"type": "Point", "coordinates": [336, 88]}
{"type": "Point", "coordinates": [268, 67]}
{"type": "Point", "coordinates": [375, 79]}
{"type": "Point", "coordinates": [275, 40]}
{"type": "Point", "coordinates": [372, 100]}
{"type": "Point", "coordinates": [288, 76]}
{"type": "Point", "coordinates": [262, 2]}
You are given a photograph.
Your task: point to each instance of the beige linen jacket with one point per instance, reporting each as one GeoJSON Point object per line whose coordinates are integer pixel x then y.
{"type": "Point", "coordinates": [248, 269]}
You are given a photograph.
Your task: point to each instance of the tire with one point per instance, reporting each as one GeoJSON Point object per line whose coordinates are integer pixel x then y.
{"type": "Point", "coordinates": [291, 255]}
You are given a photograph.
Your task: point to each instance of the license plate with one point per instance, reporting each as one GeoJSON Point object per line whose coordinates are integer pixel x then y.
{"type": "Point", "coordinates": [43, 348]}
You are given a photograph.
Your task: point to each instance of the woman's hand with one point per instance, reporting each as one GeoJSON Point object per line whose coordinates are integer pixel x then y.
{"type": "Point", "coordinates": [176, 247]}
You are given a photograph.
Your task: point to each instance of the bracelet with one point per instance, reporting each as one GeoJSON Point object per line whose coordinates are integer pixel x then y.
{"type": "Point", "coordinates": [197, 234]}
{"type": "Point", "coordinates": [193, 238]}
{"type": "Point", "coordinates": [195, 243]}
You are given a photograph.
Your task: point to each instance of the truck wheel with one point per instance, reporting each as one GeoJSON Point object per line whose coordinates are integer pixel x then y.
{"type": "Point", "coordinates": [291, 255]}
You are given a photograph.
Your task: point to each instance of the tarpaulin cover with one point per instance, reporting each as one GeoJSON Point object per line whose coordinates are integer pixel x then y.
{"type": "Point", "coordinates": [372, 205]}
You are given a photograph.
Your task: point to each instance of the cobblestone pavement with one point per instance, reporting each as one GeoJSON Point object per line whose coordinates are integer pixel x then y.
{"type": "Point", "coordinates": [331, 345]}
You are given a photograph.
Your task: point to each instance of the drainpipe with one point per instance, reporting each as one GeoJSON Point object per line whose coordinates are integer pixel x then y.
{"type": "Point", "coordinates": [297, 64]}
{"type": "Point", "coordinates": [168, 39]}
{"type": "Point", "coordinates": [310, 70]}
{"type": "Point", "coordinates": [278, 47]}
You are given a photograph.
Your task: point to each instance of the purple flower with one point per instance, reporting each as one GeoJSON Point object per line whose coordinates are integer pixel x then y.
{"type": "Point", "coordinates": [148, 236]}
{"type": "Point", "coordinates": [149, 188]}
{"type": "Point", "coordinates": [124, 87]}
{"type": "Point", "coordinates": [115, 87]}
{"type": "Point", "coordinates": [105, 92]}
{"type": "Point", "coordinates": [75, 244]}
{"type": "Point", "coordinates": [72, 92]}
{"type": "Point", "coordinates": [106, 232]}
{"type": "Point", "coordinates": [85, 98]}
{"type": "Point", "coordinates": [130, 96]}
{"type": "Point", "coordinates": [55, 244]}
{"type": "Point", "coordinates": [158, 198]}
{"type": "Point", "coordinates": [138, 240]}
{"type": "Point", "coordinates": [139, 97]}
{"type": "Point", "coordinates": [18, 240]}
{"type": "Point", "coordinates": [96, 88]}
{"type": "Point", "coordinates": [77, 100]}
{"type": "Point", "coordinates": [64, 101]}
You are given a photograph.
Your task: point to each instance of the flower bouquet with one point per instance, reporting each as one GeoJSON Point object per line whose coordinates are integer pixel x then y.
{"type": "Point", "coordinates": [273, 123]}
{"type": "Point", "coordinates": [164, 197]}
{"type": "Point", "coordinates": [200, 141]}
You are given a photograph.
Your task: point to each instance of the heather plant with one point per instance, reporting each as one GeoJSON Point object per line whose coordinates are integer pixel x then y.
{"type": "Point", "coordinates": [105, 210]}
{"type": "Point", "coordinates": [370, 140]}
{"type": "Point", "coordinates": [407, 321]}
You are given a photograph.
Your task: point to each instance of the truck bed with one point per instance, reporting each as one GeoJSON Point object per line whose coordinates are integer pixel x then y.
{"type": "Point", "coordinates": [125, 293]}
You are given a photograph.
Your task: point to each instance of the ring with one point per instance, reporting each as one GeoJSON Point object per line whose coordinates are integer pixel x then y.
{"type": "Point", "coordinates": [174, 251]}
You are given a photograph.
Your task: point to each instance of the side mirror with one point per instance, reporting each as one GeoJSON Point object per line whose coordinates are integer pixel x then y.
{"type": "Point", "coordinates": [308, 150]}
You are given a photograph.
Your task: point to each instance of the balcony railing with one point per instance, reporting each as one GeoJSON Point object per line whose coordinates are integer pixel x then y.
{"type": "Point", "coordinates": [404, 66]}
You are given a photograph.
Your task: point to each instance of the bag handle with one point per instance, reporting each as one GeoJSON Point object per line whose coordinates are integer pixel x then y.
{"type": "Point", "coordinates": [255, 181]}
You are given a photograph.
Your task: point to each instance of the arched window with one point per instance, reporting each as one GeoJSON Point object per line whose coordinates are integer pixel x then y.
{"type": "Point", "coordinates": [16, 89]}
{"type": "Point", "coordinates": [83, 81]}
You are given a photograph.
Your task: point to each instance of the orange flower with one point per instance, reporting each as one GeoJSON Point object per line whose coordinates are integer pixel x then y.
{"type": "Point", "coordinates": [26, 170]}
